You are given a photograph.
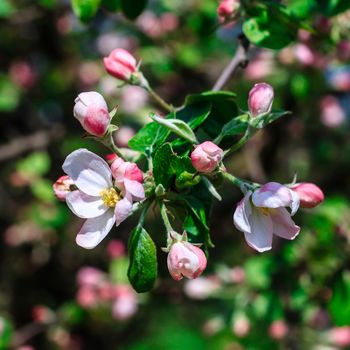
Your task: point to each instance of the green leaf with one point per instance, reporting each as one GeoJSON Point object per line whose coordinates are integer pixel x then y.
{"type": "Point", "coordinates": [112, 5]}
{"type": "Point", "coordinates": [9, 94]}
{"type": "Point", "coordinates": [223, 110]}
{"type": "Point", "coordinates": [234, 127]}
{"type": "Point", "coordinates": [178, 127]}
{"type": "Point", "coordinates": [271, 26]}
{"type": "Point", "coordinates": [85, 9]}
{"type": "Point", "coordinates": [194, 115]}
{"type": "Point", "coordinates": [339, 305]}
{"type": "Point", "coordinates": [142, 270]}
{"type": "Point", "coordinates": [36, 164]}
{"type": "Point", "coordinates": [333, 7]}
{"type": "Point", "coordinates": [301, 8]}
{"type": "Point", "coordinates": [149, 137]}
{"type": "Point", "coordinates": [266, 119]}
{"type": "Point", "coordinates": [6, 333]}
{"type": "Point", "coordinates": [6, 8]}
{"type": "Point", "coordinates": [162, 172]}
{"type": "Point", "coordinates": [133, 8]}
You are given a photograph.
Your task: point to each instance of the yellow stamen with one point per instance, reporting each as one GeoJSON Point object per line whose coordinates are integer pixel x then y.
{"type": "Point", "coordinates": [265, 211]}
{"type": "Point", "coordinates": [110, 197]}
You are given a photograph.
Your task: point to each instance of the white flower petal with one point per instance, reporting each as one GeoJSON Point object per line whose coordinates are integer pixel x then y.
{"type": "Point", "coordinates": [122, 210]}
{"type": "Point", "coordinates": [95, 230]}
{"type": "Point", "coordinates": [272, 195]}
{"type": "Point", "coordinates": [260, 237]}
{"type": "Point", "coordinates": [135, 189]}
{"type": "Point", "coordinates": [92, 97]}
{"type": "Point", "coordinates": [90, 173]}
{"type": "Point", "coordinates": [84, 205]}
{"type": "Point", "coordinates": [295, 202]}
{"type": "Point", "coordinates": [242, 213]}
{"type": "Point", "coordinates": [283, 225]}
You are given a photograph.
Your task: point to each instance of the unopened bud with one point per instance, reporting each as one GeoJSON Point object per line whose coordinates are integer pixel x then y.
{"type": "Point", "coordinates": [260, 99]}
{"type": "Point", "coordinates": [126, 170]}
{"type": "Point", "coordinates": [121, 64]}
{"type": "Point", "coordinates": [206, 157]}
{"type": "Point", "coordinates": [185, 259]}
{"type": "Point", "coordinates": [62, 187]}
{"type": "Point", "coordinates": [227, 9]}
{"type": "Point", "coordinates": [92, 112]}
{"type": "Point", "coordinates": [310, 195]}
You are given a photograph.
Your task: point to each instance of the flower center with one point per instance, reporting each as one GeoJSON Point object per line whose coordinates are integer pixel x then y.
{"type": "Point", "coordinates": [110, 197]}
{"type": "Point", "coordinates": [265, 211]}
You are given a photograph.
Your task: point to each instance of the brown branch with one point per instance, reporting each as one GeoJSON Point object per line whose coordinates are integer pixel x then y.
{"type": "Point", "coordinates": [39, 139]}
{"type": "Point", "coordinates": [238, 60]}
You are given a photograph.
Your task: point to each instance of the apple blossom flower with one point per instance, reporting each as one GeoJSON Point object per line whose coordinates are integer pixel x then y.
{"type": "Point", "coordinates": [310, 195]}
{"type": "Point", "coordinates": [262, 214]}
{"type": "Point", "coordinates": [90, 276]}
{"type": "Point", "coordinates": [116, 248]}
{"type": "Point", "coordinates": [62, 187]}
{"type": "Point", "coordinates": [227, 9]}
{"type": "Point", "coordinates": [206, 157]}
{"type": "Point", "coordinates": [92, 112]}
{"type": "Point", "coordinates": [185, 259]}
{"type": "Point", "coordinates": [96, 199]}
{"type": "Point", "coordinates": [121, 64]}
{"type": "Point", "coordinates": [241, 326]}
{"type": "Point", "coordinates": [260, 99]}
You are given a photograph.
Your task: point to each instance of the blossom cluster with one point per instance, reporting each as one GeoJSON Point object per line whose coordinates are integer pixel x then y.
{"type": "Point", "coordinates": [107, 193]}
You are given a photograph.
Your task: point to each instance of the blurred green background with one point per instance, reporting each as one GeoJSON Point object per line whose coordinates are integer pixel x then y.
{"type": "Point", "coordinates": [295, 297]}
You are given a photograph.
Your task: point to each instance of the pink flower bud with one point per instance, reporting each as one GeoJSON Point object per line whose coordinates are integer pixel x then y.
{"type": "Point", "coordinates": [310, 195]}
{"type": "Point", "coordinates": [185, 259]}
{"type": "Point", "coordinates": [332, 113]}
{"type": "Point", "coordinates": [121, 64]}
{"type": "Point", "coordinates": [62, 187]}
{"type": "Point", "coordinates": [126, 170]}
{"type": "Point", "coordinates": [92, 112]}
{"type": "Point", "coordinates": [278, 329]}
{"type": "Point", "coordinates": [110, 158]}
{"type": "Point", "coordinates": [227, 9]}
{"type": "Point", "coordinates": [206, 157]}
{"type": "Point", "coordinates": [340, 336]}
{"type": "Point", "coordinates": [260, 99]}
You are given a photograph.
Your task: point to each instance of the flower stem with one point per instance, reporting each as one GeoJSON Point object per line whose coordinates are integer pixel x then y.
{"type": "Point", "coordinates": [108, 141]}
{"type": "Point", "coordinates": [164, 215]}
{"type": "Point", "coordinates": [143, 82]}
{"type": "Point", "coordinates": [247, 135]}
{"type": "Point", "coordinates": [242, 184]}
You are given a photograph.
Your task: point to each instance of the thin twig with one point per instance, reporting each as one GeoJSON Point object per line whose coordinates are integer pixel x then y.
{"type": "Point", "coordinates": [240, 58]}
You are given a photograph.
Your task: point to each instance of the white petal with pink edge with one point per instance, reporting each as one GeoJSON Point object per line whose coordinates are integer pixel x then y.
{"type": "Point", "coordinates": [283, 225]}
{"type": "Point", "coordinates": [260, 237]}
{"type": "Point", "coordinates": [84, 205]}
{"type": "Point", "coordinates": [122, 210]}
{"type": "Point", "coordinates": [135, 189]}
{"type": "Point", "coordinates": [94, 230]}
{"type": "Point", "coordinates": [242, 213]}
{"type": "Point", "coordinates": [90, 173]}
{"type": "Point", "coordinates": [272, 195]}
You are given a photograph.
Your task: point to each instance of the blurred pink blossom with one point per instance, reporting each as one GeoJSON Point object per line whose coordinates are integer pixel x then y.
{"type": "Point", "coordinates": [332, 113]}
{"type": "Point", "coordinates": [169, 22]}
{"type": "Point", "coordinates": [90, 276]}
{"type": "Point", "coordinates": [126, 304]}
{"type": "Point", "coordinates": [241, 326]}
{"type": "Point", "coordinates": [133, 98]}
{"type": "Point", "coordinates": [23, 74]}
{"type": "Point", "coordinates": [89, 73]}
{"type": "Point", "coordinates": [201, 287]}
{"type": "Point", "coordinates": [237, 275]}
{"type": "Point", "coordinates": [87, 296]}
{"type": "Point", "coordinates": [340, 336]}
{"type": "Point", "coordinates": [278, 329]}
{"type": "Point", "coordinates": [260, 66]}
{"type": "Point", "coordinates": [116, 248]}
{"type": "Point", "coordinates": [123, 135]}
